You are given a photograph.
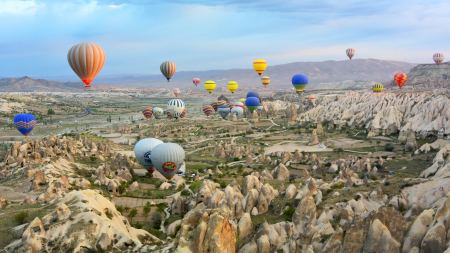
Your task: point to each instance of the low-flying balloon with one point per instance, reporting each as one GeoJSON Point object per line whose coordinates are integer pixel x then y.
{"type": "Point", "coordinates": [265, 80]}
{"type": "Point", "coordinates": [196, 81]}
{"type": "Point", "coordinates": [175, 107]}
{"type": "Point", "coordinates": [158, 112]}
{"type": "Point", "coordinates": [400, 79]}
{"type": "Point", "coordinates": [232, 86]}
{"type": "Point", "coordinates": [210, 86]}
{"type": "Point", "coordinates": [184, 113]}
{"type": "Point", "coordinates": [378, 87]}
{"type": "Point", "coordinates": [167, 158]}
{"type": "Point", "coordinates": [350, 52]}
{"type": "Point", "coordinates": [252, 94]}
{"type": "Point", "coordinates": [176, 92]}
{"type": "Point", "coordinates": [438, 58]}
{"type": "Point", "coordinates": [299, 81]}
{"type": "Point", "coordinates": [223, 111]}
{"type": "Point", "coordinates": [238, 111]}
{"type": "Point", "coordinates": [148, 112]}
{"type": "Point", "coordinates": [252, 103]}
{"type": "Point", "coordinates": [259, 66]}
{"type": "Point", "coordinates": [24, 123]}
{"type": "Point", "coordinates": [86, 60]}
{"type": "Point", "coordinates": [208, 110]}
{"type": "Point", "coordinates": [143, 150]}
{"type": "Point", "coordinates": [168, 69]}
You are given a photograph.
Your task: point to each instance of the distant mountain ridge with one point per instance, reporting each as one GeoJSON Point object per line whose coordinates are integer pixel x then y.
{"type": "Point", "coordinates": [28, 84]}
{"type": "Point", "coordinates": [322, 75]}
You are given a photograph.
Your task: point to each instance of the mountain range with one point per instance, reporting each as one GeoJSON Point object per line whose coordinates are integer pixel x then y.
{"type": "Point", "coordinates": [354, 74]}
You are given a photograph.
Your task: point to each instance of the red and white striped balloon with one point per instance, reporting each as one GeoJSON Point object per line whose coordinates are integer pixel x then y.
{"type": "Point", "coordinates": [196, 81]}
{"type": "Point", "coordinates": [438, 58]}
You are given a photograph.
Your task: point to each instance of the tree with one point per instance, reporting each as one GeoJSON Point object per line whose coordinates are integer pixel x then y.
{"type": "Point", "coordinates": [50, 112]}
{"type": "Point", "coordinates": [147, 208]}
{"type": "Point", "coordinates": [132, 214]}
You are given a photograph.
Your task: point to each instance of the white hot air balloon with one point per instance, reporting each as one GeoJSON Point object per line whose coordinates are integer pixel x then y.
{"type": "Point", "coordinates": [223, 111]}
{"type": "Point", "coordinates": [158, 112]}
{"type": "Point", "coordinates": [143, 150]}
{"type": "Point", "coordinates": [167, 158]}
{"type": "Point", "coordinates": [238, 111]}
{"type": "Point", "coordinates": [175, 107]}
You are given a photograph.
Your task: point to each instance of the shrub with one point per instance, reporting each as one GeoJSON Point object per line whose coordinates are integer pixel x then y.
{"type": "Point", "coordinates": [21, 217]}
{"type": "Point", "coordinates": [389, 147]}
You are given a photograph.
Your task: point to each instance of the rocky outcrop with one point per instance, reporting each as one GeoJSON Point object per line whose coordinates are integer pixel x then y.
{"type": "Point", "coordinates": [82, 220]}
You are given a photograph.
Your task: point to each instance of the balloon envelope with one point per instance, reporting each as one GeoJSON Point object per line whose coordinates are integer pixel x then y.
{"type": "Point", "coordinates": [167, 158]}
{"type": "Point", "coordinates": [400, 79]}
{"type": "Point", "coordinates": [25, 123]}
{"type": "Point", "coordinates": [438, 58]}
{"type": "Point", "coordinates": [175, 107]}
{"type": "Point", "coordinates": [299, 81]}
{"type": "Point", "coordinates": [252, 103]}
{"type": "Point", "coordinates": [223, 111]}
{"type": "Point", "coordinates": [378, 87]}
{"type": "Point", "coordinates": [238, 111]}
{"type": "Point", "coordinates": [158, 112]}
{"type": "Point", "coordinates": [148, 112]}
{"type": "Point", "coordinates": [259, 66]}
{"type": "Point", "coordinates": [210, 86]}
{"type": "Point", "coordinates": [168, 69]}
{"type": "Point", "coordinates": [350, 52]}
{"type": "Point", "coordinates": [252, 94]}
{"type": "Point", "coordinates": [265, 80]}
{"type": "Point", "coordinates": [143, 150]}
{"type": "Point", "coordinates": [86, 60]}
{"type": "Point", "coordinates": [208, 110]}
{"type": "Point", "coordinates": [196, 81]}
{"type": "Point", "coordinates": [232, 86]}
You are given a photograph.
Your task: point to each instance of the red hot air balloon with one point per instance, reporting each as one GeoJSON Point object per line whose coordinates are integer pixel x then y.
{"type": "Point", "coordinates": [196, 81]}
{"type": "Point", "coordinates": [438, 58]}
{"type": "Point", "coordinates": [86, 60]}
{"type": "Point", "coordinates": [148, 112]}
{"type": "Point", "coordinates": [400, 79]}
{"type": "Point", "coordinates": [350, 52]}
{"type": "Point", "coordinates": [208, 110]}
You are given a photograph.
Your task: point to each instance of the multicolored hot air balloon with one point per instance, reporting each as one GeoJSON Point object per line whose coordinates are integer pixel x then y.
{"type": "Point", "coordinates": [210, 86]}
{"type": "Point", "coordinates": [400, 79]}
{"type": "Point", "coordinates": [238, 111]}
{"type": "Point", "coordinates": [175, 107]}
{"type": "Point", "coordinates": [438, 58]}
{"type": "Point", "coordinates": [378, 87]}
{"type": "Point", "coordinates": [350, 52]}
{"type": "Point", "coordinates": [265, 80]}
{"type": "Point", "coordinates": [232, 86]}
{"type": "Point", "coordinates": [223, 111]}
{"type": "Point", "coordinates": [196, 81]}
{"type": "Point", "coordinates": [24, 123]}
{"type": "Point", "coordinates": [237, 104]}
{"type": "Point", "coordinates": [86, 60]}
{"type": "Point", "coordinates": [143, 150]}
{"type": "Point", "coordinates": [259, 66]}
{"type": "Point", "coordinates": [158, 112]}
{"type": "Point", "coordinates": [299, 81]}
{"type": "Point", "coordinates": [168, 69]}
{"type": "Point", "coordinates": [252, 103]}
{"type": "Point", "coordinates": [148, 112]}
{"type": "Point", "coordinates": [176, 92]}
{"type": "Point", "coordinates": [208, 110]}
{"type": "Point", "coordinates": [167, 158]}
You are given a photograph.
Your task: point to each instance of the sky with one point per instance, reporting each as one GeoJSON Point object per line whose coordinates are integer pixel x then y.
{"type": "Point", "coordinates": [137, 35]}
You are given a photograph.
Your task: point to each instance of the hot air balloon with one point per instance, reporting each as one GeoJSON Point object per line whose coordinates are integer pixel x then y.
{"type": "Point", "coordinates": [175, 107]}
{"type": "Point", "coordinates": [242, 100]}
{"type": "Point", "coordinates": [252, 103]}
{"type": "Point", "coordinates": [259, 66]}
{"type": "Point", "coordinates": [299, 81]}
{"type": "Point", "coordinates": [237, 104]}
{"type": "Point", "coordinates": [438, 58]}
{"type": "Point", "coordinates": [378, 87]}
{"type": "Point", "coordinates": [350, 52]}
{"type": "Point", "coordinates": [148, 112]}
{"type": "Point", "coordinates": [252, 94]}
{"type": "Point", "coordinates": [238, 111]}
{"type": "Point", "coordinates": [142, 151]}
{"type": "Point", "coordinates": [196, 81]}
{"type": "Point", "coordinates": [208, 110]}
{"type": "Point", "coordinates": [24, 123]}
{"type": "Point", "coordinates": [232, 86]}
{"type": "Point", "coordinates": [167, 158]}
{"type": "Point", "coordinates": [210, 86]}
{"type": "Point", "coordinates": [184, 113]}
{"type": "Point", "coordinates": [168, 69]}
{"type": "Point", "coordinates": [158, 112]}
{"type": "Point", "coordinates": [176, 92]}
{"type": "Point", "coordinates": [400, 79]}
{"type": "Point", "coordinates": [86, 60]}
{"type": "Point", "coordinates": [265, 80]}
{"type": "Point", "coordinates": [223, 111]}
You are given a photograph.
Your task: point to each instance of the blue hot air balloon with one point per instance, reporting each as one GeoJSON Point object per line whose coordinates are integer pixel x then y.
{"type": "Point", "coordinates": [252, 94]}
{"type": "Point", "coordinates": [299, 81]}
{"type": "Point", "coordinates": [24, 123]}
{"type": "Point", "coordinates": [252, 103]}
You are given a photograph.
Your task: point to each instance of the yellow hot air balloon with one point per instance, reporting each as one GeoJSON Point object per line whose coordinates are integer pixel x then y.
{"type": "Point", "coordinates": [378, 87]}
{"type": "Point", "coordinates": [242, 100]}
{"type": "Point", "coordinates": [259, 66]}
{"type": "Point", "coordinates": [265, 80]}
{"type": "Point", "coordinates": [232, 86]}
{"type": "Point", "coordinates": [210, 86]}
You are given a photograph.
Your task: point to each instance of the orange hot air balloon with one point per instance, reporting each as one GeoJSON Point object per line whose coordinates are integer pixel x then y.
{"type": "Point", "coordinates": [400, 79]}
{"type": "Point", "coordinates": [86, 60]}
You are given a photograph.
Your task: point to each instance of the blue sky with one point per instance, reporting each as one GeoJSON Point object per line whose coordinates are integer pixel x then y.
{"type": "Point", "coordinates": [138, 35]}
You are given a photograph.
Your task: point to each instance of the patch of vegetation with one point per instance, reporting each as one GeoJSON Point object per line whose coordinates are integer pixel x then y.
{"type": "Point", "coordinates": [149, 194]}
{"type": "Point", "coordinates": [195, 186]}
{"type": "Point", "coordinates": [91, 161]}
{"type": "Point", "coordinates": [389, 147]}
{"type": "Point", "coordinates": [288, 213]}
{"type": "Point", "coordinates": [21, 217]}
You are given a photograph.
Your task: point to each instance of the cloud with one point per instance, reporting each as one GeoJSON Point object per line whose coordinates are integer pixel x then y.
{"type": "Point", "coordinates": [14, 7]}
